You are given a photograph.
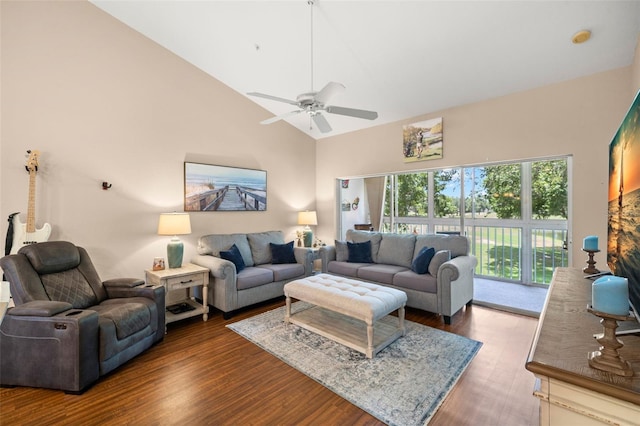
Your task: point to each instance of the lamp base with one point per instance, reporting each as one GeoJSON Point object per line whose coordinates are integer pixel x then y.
{"type": "Point", "coordinates": [175, 250]}
{"type": "Point", "coordinates": [308, 238]}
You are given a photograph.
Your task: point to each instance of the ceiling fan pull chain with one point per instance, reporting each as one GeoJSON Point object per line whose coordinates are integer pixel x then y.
{"type": "Point", "coordinates": [310, 3]}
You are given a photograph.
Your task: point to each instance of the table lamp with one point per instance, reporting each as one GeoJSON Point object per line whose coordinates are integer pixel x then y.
{"type": "Point", "coordinates": [307, 218]}
{"type": "Point", "coordinates": [174, 224]}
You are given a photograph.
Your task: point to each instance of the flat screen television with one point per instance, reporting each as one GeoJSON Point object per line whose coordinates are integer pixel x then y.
{"type": "Point", "coordinates": [623, 239]}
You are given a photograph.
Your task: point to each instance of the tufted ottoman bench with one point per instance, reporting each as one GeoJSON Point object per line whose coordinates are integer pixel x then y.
{"type": "Point", "coordinates": [351, 312]}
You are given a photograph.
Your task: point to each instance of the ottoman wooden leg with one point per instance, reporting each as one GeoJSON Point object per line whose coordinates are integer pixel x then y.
{"type": "Point", "coordinates": [369, 340]}
{"type": "Point", "coordinates": [401, 320]}
{"type": "Point", "coordinates": [287, 312]}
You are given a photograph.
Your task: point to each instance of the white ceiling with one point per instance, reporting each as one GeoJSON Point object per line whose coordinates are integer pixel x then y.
{"type": "Point", "coordinates": [399, 58]}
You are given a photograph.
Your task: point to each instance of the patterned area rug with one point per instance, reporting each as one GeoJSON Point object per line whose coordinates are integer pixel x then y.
{"type": "Point", "coordinates": [403, 385]}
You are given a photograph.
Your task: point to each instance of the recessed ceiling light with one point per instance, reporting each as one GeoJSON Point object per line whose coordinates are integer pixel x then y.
{"type": "Point", "coordinates": [581, 36]}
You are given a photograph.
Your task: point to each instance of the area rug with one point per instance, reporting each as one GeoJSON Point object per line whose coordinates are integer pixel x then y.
{"type": "Point", "coordinates": [403, 385]}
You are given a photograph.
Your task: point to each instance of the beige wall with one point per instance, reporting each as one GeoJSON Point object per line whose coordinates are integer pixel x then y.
{"type": "Point", "coordinates": [635, 84]}
{"type": "Point", "coordinates": [103, 103]}
{"type": "Point", "coordinates": [577, 118]}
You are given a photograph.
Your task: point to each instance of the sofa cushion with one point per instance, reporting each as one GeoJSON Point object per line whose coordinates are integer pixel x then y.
{"type": "Point", "coordinates": [212, 244]}
{"type": "Point", "coordinates": [362, 236]}
{"type": "Point", "coordinates": [233, 255]}
{"type": "Point", "coordinates": [438, 259]}
{"type": "Point", "coordinates": [379, 272]}
{"type": "Point", "coordinates": [284, 271]}
{"type": "Point", "coordinates": [396, 249]}
{"type": "Point", "coordinates": [259, 243]}
{"type": "Point", "coordinates": [420, 282]}
{"type": "Point", "coordinates": [342, 252]}
{"type": "Point", "coordinates": [253, 277]}
{"type": "Point", "coordinates": [345, 268]}
{"type": "Point", "coordinates": [420, 264]}
{"type": "Point", "coordinates": [359, 252]}
{"type": "Point", "coordinates": [458, 245]}
{"type": "Point", "coordinates": [282, 253]}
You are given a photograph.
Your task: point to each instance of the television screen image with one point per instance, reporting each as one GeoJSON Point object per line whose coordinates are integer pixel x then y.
{"type": "Point", "coordinates": [623, 239]}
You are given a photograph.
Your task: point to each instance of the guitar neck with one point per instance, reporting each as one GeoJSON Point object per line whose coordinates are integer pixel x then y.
{"type": "Point", "coordinates": [31, 207]}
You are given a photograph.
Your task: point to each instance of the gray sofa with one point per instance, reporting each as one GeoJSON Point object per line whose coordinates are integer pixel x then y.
{"type": "Point", "coordinates": [259, 280]}
{"type": "Point", "coordinates": [444, 289]}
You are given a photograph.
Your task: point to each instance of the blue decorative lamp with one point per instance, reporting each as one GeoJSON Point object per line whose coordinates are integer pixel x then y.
{"type": "Point", "coordinates": [174, 224]}
{"type": "Point", "coordinates": [307, 218]}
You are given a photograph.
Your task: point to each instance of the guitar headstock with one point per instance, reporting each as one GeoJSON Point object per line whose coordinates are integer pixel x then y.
{"type": "Point", "coordinates": [32, 162]}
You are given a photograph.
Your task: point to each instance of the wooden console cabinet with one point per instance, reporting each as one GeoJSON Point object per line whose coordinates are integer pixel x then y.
{"type": "Point", "coordinates": [570, 391]}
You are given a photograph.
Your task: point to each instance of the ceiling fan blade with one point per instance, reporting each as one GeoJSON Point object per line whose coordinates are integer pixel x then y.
{"type": "Point", "coordinates": [273, 98]}
{"type": "Point", "coordinates": [351, 112]}
{"type": "Point", "coordinates": [328, 91]}
{"type": "Point", "coordinates": [321, 122]}
{"type": "Point", "coordinates": [280, 117]}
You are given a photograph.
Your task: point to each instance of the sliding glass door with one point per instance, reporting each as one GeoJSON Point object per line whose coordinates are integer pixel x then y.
{"type": "Point", "coordinates": [515, 214]}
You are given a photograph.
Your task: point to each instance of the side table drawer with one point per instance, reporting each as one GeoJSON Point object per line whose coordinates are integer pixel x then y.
{"type": "Point", "coordinates": [185, 281]}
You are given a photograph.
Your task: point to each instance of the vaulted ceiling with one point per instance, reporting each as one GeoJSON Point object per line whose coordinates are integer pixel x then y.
{"type": "Point", "coordinates": [399, 58]}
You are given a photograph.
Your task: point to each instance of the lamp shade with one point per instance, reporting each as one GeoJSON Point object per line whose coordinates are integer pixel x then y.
{"type": "Point", "coordinates": [174, 224]}
{"type": "Point", "coordinates": [307, 218]}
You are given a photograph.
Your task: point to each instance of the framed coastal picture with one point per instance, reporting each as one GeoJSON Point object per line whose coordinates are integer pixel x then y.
{"type": "Point", "coordinates": [422, 140]}
{"type": "Point", "coordinates": [212, 188]}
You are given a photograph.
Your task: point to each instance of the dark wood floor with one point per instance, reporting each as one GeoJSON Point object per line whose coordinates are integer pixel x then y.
{"type": "Point", "coordinates": [203, 373]}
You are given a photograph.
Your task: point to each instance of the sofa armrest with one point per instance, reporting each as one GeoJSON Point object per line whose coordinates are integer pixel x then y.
{"type": "Point", "coordinates": [455, 283]}
{"type": "Point", "coordinates": [460, 267]}
{"type": "Point", "coordinates": [304, 256]}
{"type": "Point", "coordinates": [327, 254]}
{"type": "Point", "coordinates": [223, 290]}
{"type": "Point", "coordinates": [218, 268]}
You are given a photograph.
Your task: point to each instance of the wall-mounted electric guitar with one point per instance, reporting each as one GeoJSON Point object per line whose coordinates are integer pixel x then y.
{"type": "Point", "coordinates": [25, 234]}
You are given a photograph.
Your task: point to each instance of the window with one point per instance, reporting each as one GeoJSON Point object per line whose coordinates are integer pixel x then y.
{"type": "Point", "coordinates": [515, 214]}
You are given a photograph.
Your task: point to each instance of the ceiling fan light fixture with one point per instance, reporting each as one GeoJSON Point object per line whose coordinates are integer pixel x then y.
{"type": "Point", "coordinates": [313, 103]}
{"type": "Point", "coordinates": [581, 36]}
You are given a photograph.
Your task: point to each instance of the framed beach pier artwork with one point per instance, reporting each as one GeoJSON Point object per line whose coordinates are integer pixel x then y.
{"type": "Point", "coordinates": [422, 140]}
{"type": "Point", "coordinates": [211, 188]}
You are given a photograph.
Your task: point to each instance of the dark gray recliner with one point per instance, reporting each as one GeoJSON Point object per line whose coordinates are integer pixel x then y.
{"type": "Point", "coordinates": [68, 327]}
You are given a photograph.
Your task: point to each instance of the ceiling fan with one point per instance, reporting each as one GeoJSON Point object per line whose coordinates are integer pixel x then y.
{"type": "Point", "coordinates": [314, 103]}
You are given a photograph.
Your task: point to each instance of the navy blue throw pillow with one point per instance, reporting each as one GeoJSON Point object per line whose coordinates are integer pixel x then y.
{"type": "Point", "coordinates": [420, 264]}
{"type": "Point", "coordinates": [282, 253]}
{"type": "Point", "coordinates": [359, 252]}
{"type": "Point", "coordinates": [233, 255]}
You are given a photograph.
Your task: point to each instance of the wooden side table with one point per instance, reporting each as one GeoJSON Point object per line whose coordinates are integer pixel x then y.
{"type": "Point", "coordinates": [187, 276]}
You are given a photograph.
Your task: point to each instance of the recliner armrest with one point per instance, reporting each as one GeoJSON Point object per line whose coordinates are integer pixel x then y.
{"type": "Point", "coordinates": [153, 292]}
{"type": "Point", "coordinates": [123, 282]}
{"type": "Point", "coordinates": [40, 308]}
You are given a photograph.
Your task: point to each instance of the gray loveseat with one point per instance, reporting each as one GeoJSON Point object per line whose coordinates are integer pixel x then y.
{"type": "Point", "coordinates": [259, 280]}
{"type": "Point", "coordinates": [444, 289]}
